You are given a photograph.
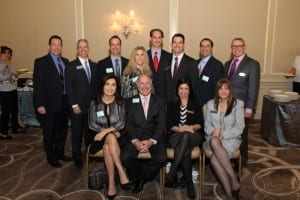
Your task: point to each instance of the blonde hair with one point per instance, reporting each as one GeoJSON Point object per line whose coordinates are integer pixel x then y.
{"type": "Point", "coordinates": [132, 66]}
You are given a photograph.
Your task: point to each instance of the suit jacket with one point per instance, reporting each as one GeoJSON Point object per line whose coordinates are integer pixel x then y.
{"type": "Point", "coordinates": [187, 69]}
{"type": "Point", "coordinates": [158, 76]}
{"type": "Point", "coordinates": [137, 126]}
{"type": "Point", "coordinates": [79, 89]}
{"type": "Point", "coordinates": [245, 81]}
{"type": "Point", "coordinates": [105, 66]}
{"type": "Point", "coordinates": [47, 83]}
{"type": "Point", "coordinates": [206, 84]}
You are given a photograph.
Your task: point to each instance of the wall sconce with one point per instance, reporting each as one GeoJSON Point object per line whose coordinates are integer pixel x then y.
{"type": "Point", "coordinates": [125, 24]}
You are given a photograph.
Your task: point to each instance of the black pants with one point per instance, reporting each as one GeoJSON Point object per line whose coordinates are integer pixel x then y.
{"type": "Point", "coordinates": [244, 144]}
{"type": "Point", "coordinates": [9, 107]}
{"type": "Point", "coordinates": [296, 87]}
{"type": "Point", "coordinates": [55, 126]}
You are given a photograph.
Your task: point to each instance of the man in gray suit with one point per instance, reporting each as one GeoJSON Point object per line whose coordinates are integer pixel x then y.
{"type": "Point", "coordinates": [244, 75]}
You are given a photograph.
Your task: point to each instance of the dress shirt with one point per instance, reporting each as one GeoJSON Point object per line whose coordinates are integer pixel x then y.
{"type": "Point", "coordinates": [158, 53]}
{"type": "Point", "coordinates": [54, 58]}
{"type": "Point", "coordinates": [240, 58]}
{"type": "Point", "coordinates": [113, 60]}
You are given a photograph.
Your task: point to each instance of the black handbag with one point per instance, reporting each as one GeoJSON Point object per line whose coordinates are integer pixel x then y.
{"type": "Point", "coordinates": [98, 179]}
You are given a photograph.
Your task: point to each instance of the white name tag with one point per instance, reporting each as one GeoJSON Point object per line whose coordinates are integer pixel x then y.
{"type": "Point", "coordinates": [100, 113]}
{"type": "Point", "coordinates": [135, 100]}
{"type": "Point", "coordinates": [242, 74]}
{"type": "Point", "coordinates": [109, 70]}
{"type": "Point", "coordinates": [205, 78]}
{"type": "Point", "coordinates": [79, 67]}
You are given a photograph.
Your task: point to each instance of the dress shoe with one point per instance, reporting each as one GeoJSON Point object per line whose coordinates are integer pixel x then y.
{"type": "Point", "coordinates": [190, 191]}
{"type": "Point", "coordinates": [138, 187]}
{"type": "Point", "coordinates": [65, 158]}
{"type": "Point", "coordinates": [111, 197]}
{"type": "Point", "coordinates": [174, 185]}
{"type": "Point", "coordinates": [19, 130]}
{"type": "Point", "coordinates": [78, 163]}
{"type": "Point", "coordinates": [126, 186]}
{"type": "Point", "coordinates": [54, 163]}
{"type": "Point", "coordinates": [6, 136]}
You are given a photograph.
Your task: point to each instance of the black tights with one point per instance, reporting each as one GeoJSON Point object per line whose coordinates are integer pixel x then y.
{"type": "Point", "coordinates": [182, 159]}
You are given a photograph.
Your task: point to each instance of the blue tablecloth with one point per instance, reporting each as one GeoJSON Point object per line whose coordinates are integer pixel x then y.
{"type": "Point", "coordinates": [26, 108]}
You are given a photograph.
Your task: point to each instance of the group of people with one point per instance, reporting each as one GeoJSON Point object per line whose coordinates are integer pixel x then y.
{"type": "Point", "coordinates": [152, 101]}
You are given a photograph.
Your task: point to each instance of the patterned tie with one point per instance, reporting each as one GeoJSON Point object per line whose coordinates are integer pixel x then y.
{"type": "Point", "coordinates": [117, 65]}
{"type": "Point", "coordinates": [232, 68]}
{"type": "Point", "coordinates": [145, 106]}
{"type": "Point", "coordinates": [87, 71]}
{"type": "Point", "coordinates": [175, 67]}
{"type": "Point", "coordinates": [61, 74]}
{"type": "Point", "coordinates": [155, 61]}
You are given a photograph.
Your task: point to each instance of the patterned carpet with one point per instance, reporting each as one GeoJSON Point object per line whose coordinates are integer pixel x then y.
{"type": "Point", "coordinates": [272, 174]}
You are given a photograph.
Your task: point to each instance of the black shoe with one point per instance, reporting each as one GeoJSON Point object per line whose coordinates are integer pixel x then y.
{"type": "Point", "coordinates": [138, 187]}
{"type": "Point", "coordinates": [6, 137]}
{"type": "Point", "coordinates": [174, 185]}
{"type": "Point", "coordinates": [111, 197]}
{"type": "Point", "coordinates": [191, 191]}
{"type": "Point", "coordinates": [65, 158]}
{"type": "Point", "coordinates": [126, 186]}
{"type": "Point", "coordinates": [78, 163]}
{"type": "Point", "coordinates": [54, 163]}
{"type": "Point", "coordinates": [19, 130]}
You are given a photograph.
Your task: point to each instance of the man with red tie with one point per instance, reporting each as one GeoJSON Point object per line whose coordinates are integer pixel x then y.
{"type": "Point", "coordinates": [158, 59]}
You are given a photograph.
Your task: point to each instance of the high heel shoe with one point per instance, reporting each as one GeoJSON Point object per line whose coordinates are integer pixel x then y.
{"type": "Point", "coordinates": [111, 197]}
{"type": "Point", "coordinates": [126, 186]}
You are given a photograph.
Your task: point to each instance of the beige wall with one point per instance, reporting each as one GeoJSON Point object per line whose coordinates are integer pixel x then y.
{"type": "Point", "coordinates": [270, 28]}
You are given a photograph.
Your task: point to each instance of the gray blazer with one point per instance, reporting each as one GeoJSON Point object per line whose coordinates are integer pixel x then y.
{"type": "Point", "coordinates": [232, 127]}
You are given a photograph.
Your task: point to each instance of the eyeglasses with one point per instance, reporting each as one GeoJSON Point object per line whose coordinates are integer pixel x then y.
{"type": "Point", "coordinates": [237, 46]}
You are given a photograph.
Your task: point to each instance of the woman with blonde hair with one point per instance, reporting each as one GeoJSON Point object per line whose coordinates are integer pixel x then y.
{"type": "Point", "coordinates": [138, 64]}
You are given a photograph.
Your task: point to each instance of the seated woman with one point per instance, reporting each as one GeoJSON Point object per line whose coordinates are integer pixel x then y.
{"type": "Point", "coordinates": [224, 125]}
{"type": "Point", "coordinates": [138, 64]}
{"type": "Point", "coordinates": [183, 119]}
{"type": "Point", "coordinates": [107, 119]}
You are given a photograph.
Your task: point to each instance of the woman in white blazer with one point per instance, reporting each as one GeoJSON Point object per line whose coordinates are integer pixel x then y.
{"type": "Point", "coordinates": [224, 125]}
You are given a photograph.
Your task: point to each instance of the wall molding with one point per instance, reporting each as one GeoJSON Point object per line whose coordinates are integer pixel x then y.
{"type": "Point", "coordinates": [79, 19]}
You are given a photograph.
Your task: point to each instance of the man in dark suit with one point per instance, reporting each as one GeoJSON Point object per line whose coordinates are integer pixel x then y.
{"type": "Point", "coordinates": [80, 87]}
{"type": "Point", "coordinates": [180, 66]}
{"type": "Point", "coordinates": [210, 70]}
{"type": "Point", "coordinates": [51, 100]}
{"type": "Point", "coordinates": [145, 124]}
{"type": "Point", "coordinates": [158, 60]}
{"type": "Point", "coordinates": [244, 75]}
{"type": "Point", "coordinates": [114, 63]}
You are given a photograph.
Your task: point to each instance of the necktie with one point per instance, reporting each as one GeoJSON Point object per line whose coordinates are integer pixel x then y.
{"type": "Point", "coordinates": [117, 65]}
{"type": "Point", "coordinates": [87, 71]}
{"type": "Point", "coordinates": [175, 67]}
{"type": "Point", "coordinates": [232, 68]}
{"type": "Point", "coordinates": [155, 61]}
{"type": "Point", "coordinates": [201, 67]}
{"type": "Point", "coordinates": [61, 74]}
{"type": "Point", "coordinates": [145, 106]}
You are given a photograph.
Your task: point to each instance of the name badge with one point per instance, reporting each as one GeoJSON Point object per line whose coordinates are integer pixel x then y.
{"type": "Point", "coordinates": [79, 67]}
{"type": "Point", "coordinates": [135, 100]}
{"type": "Point", "coordinates": [109, 70]}
{"type": "Point", "coordinates": [242, 74]}
{"type": "Point", "coordinates": [205, 78]}
{"type": "Point", "coordinates": [100, 113]}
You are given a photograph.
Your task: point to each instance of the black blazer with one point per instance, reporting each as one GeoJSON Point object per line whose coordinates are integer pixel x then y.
{"type": "Point", "coordinates": [79, 90]}
{"type": "Point", "coordinates": [245, 81]}
{"type": "Point", "coordinates": [137, 126]}
{"type": "Point", "coordinates": [187, 69]}
{"type": "Point", "coordinates": [206, 84]}
{"type": "Point", "coordinates": [47, 84]}
{"type": "Point", "coordinates": [105, 66]}
{"type": "Point", "coordinates": [158, 76]}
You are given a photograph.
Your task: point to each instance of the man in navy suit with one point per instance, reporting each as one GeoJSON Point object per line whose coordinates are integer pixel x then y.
{"type": "Point", "coordinates": [145, 124]}
{"type": "Point", "coordinates": [51, 102]}
{"type": "Point", "coordinates": [210, 70]}
{"type": "Point", "coordinates": [158, 60]}
{"type": "Point", "coordinates": [80, 87]}
{"type": "Point", "coordinates": [180, 66]}
{"type": "Point", "coordinates": [114, 63]}
{"type": "Point", "coordinates": [244, 75]}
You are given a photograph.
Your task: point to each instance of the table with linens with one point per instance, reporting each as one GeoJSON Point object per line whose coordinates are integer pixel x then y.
{"type": "Point", "coordinates": [280, 122]}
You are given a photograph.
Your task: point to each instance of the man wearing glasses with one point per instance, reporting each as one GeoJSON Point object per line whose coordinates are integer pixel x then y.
{"type": "Point", "coordinates": [244, 75]}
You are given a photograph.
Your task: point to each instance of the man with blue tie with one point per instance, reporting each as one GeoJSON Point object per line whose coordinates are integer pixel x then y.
{"type": "Point", "coordinates": [50, 97]}
{"type": "Point", "coordinates": [114, 63]}
{"type": "Point", "coordinates": [243, 73]}
{"type": "Point", "coordinates": [81, 87]}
